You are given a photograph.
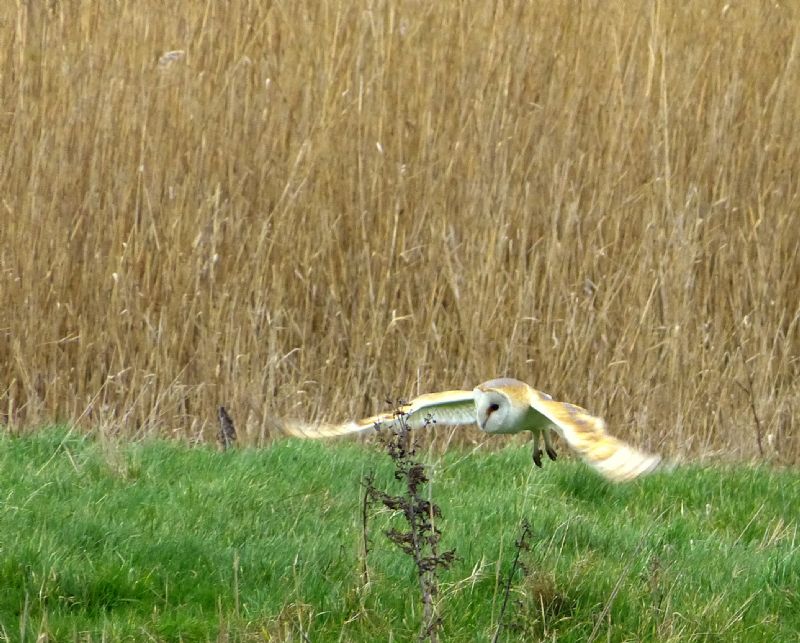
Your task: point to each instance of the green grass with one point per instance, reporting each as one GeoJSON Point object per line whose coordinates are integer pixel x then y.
{"type": "Point", "coordinates": [158, 541]}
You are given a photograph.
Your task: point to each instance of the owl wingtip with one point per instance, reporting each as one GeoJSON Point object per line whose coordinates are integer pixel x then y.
{"type": "Point", "coordinates": [648, 465]}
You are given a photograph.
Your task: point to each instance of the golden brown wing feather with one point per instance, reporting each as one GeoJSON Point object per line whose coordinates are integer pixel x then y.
{"type": "Point", "coordinates": [586, 434]}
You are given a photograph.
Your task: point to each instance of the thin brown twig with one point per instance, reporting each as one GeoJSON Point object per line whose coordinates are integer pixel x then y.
{"type": "Point", "coordinates": [520, 545]}
{"type": "Point", "coordinates": [751, 394]}
{"type": "Point", "coordinates": [368, 483]}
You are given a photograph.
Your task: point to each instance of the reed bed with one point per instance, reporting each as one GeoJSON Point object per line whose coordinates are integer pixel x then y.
{"type": "Point", "coordinates": [297, 209]}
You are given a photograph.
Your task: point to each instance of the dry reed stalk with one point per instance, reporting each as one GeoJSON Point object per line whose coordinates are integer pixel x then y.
{"type": "Point", "coordinates": [600, 200]}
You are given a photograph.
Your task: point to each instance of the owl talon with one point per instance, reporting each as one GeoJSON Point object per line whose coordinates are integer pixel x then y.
{"type": "Point", "coordinates": [537, 457]}
{"type": "Point", "coordinates": [551, 453]}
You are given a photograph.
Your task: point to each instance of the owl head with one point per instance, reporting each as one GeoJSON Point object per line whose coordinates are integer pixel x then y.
{"type": "Point", "coordinates": [501, 405]}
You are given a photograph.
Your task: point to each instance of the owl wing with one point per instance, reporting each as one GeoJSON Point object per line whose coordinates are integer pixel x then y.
{"type": "Point", "coordinates": [447, 407]}
{"type": "Point", "coordinates": [586, 434]}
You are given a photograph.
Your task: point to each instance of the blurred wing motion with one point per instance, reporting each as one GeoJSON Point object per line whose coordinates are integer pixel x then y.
{"type": "Point", "coordinates": [507, 405]}
{"type": "Point", "coordinates": [447, 407]}
{"type": "Point", "coordinates": [586, 435]}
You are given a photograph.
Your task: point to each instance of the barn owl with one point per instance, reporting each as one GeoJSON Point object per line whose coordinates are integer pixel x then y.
{"type": "Point", "coordinates": [504, 406]}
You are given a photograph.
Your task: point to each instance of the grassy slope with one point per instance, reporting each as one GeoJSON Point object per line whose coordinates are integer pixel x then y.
{"type": "Point", "coordinates": [137, 541]}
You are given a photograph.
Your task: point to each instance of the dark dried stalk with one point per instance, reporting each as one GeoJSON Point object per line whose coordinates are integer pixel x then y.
{"type": "Point", "coordinates": [421, 540]}
{"type": "Point", "coordinates": [520, 544]}
{"type": "Point", "coordinates": [368, 484]}
{"type": "Point", "coordinates": [751, 395]}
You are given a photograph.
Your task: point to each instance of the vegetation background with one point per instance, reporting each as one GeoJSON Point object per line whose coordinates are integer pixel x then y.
{"type": "Point", "coordinates": [319, 204]}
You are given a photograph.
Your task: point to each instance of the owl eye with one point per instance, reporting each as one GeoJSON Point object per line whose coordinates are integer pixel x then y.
{"type": "Point", "coordinates": [492, 408]}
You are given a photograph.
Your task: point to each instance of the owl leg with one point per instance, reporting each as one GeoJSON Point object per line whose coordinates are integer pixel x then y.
{"type": "Point", "coordinates": [537, 452]}
{"type": "Point", "coordinates": [548, 445]}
